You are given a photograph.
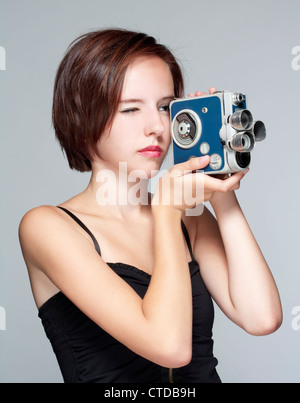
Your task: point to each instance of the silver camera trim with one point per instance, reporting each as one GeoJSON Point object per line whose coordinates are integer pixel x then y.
{"type": "Point", "coordinates": [198, 128]}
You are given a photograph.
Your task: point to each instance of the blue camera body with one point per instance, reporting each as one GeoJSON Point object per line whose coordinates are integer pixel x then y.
{"type": "Point", "coordinates": [218, 125]}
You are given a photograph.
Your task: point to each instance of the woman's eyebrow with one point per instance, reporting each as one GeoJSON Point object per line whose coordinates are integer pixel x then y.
{"type": "Point", "coordinates": [132, 100]}
{"type": "Point", "coordinates": [169, 98]}
{"type": "Point", "coordinates": [136, 100]}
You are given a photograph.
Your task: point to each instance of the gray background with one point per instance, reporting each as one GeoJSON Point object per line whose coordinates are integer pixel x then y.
{"type": "Point", "coordinates": [235, 45]}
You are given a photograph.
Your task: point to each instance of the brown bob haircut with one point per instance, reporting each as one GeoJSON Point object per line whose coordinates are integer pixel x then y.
{"type": "Point", "coordinates": [89, 83]}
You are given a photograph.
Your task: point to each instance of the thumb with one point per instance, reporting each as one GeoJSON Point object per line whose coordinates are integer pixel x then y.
{"type": "Point", "coordinates": [196, 163]}
{"type": "Point", "coordinates": [190, 165]}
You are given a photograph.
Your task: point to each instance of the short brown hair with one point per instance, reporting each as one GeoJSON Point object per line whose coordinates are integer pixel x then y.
{"type": "Point", "coordinates": [89, 83]}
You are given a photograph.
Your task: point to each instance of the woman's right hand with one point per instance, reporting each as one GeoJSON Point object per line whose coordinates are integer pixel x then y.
{"type": "Point", "coordinates": [183, 187]}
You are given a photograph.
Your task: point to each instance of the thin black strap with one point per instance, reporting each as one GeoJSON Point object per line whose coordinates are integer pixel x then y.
{"type": "Point", "coordinates": [84, 227]}
{"type": "Point", "coordinates": [187, 238]}
{"type": "Point", "coordinates": [184, 230]}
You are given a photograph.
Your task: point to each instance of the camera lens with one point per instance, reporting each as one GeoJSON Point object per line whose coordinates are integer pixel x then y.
{"type": "Point", "coordinates": [242, 142]}
{"type": "Point", "coordinates": [259, 130]}
{"type": "Point", "coordinates": [243, 159]}
{"type": "Point", "coordinates": [185, 129]}
{"type": "Point", "coordinates": [241, 119]}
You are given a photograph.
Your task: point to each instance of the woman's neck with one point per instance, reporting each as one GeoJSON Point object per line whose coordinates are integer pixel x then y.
{"type": "Point", "coordinates": [123, 194]}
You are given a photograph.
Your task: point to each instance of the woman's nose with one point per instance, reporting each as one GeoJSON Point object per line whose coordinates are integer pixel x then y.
{"type": "Point", "coordinates": [154, 125]}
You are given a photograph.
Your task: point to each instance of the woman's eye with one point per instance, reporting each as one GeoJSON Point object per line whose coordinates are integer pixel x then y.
{"type": "Point", "coordinates": [165, 108]}
{"type": "Point", "coordinates": [129, 110]}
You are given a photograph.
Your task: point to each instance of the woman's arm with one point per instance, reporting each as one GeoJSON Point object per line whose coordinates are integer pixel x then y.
{"type": "Point", "coordinates": [156, 327]}
{"type": "Point", "coordinates": [234, 268]}
{"type": "Point", "coordinates": [231, 262]}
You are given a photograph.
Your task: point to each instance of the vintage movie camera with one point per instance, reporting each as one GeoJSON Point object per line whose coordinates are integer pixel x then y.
{"type": "Point", "coordinates": [218, 125]}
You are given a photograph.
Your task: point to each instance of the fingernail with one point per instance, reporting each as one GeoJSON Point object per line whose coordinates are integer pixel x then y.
{"type": "Point", "coordinates": [204, 158]}
{"type": "Point", "coordinates": [246, 171]}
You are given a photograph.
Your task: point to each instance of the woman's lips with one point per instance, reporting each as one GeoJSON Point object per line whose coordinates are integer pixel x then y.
{"type": "Point", "coordinates": [151, 152]}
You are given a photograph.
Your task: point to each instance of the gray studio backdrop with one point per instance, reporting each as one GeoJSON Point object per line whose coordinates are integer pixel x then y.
{"type": "Point", "coordinates": [253, 47]}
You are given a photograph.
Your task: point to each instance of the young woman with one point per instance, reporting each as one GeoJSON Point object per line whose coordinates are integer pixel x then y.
{"type": "Point", "coordinates": [124, 289]}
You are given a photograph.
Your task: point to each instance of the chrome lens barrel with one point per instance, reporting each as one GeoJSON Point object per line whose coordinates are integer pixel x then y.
{"type": "Point", "coordinates": [243, 142]}
{"type": "Point", "coordinates": [241, 119]}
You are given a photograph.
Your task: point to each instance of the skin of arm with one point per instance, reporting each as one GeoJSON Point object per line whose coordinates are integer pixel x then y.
{"type": "Point", "coordinates": [152, 327]}
{"type": "Point", "coordinates": [234, 268]}
{"type": "Point", "coordinates": [231, 262]}
{"type": "Point", "coordinates": [158, 327]}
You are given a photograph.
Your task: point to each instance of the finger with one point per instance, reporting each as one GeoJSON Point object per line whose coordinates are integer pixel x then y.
{"type": "Point", "coordinates": [192, 164]}
{"type": "Point", "coordinates": [197, 94]}
{"type": "Point", "coordinates": [223, 185]}
{"type": "Point", "coordinates": [220, 176]}
{"type": "Point", "coordinates": [200, 93]}
{"type": "Point", "coordinates": [233, 181]}
{"type": "Point", "coordinates": [211, 90]}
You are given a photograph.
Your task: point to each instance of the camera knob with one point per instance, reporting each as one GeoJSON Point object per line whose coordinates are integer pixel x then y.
{"type": "Point", "coordinates": [237, 98]}
{"type": "Point", "coordinates": [184, 129]}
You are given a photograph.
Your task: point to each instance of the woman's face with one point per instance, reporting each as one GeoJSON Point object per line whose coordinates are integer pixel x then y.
{"type": "Point", "coordinates": [140, 133]}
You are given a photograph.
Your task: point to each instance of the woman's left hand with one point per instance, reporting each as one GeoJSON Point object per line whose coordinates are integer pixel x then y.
{"type": "Point", "coordinates": [218, 196]}
{"type": "Point", "coordinates": [211, 90]}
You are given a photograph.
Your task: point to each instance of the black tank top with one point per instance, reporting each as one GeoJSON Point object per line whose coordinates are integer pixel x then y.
{"type": "Point", "coordinates": [86, 353]}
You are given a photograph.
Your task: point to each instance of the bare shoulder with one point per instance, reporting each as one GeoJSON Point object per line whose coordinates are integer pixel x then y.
{"type": "Point", "coordinates": [43, 228]}
{"type": "Point", "coordinates": [34, 225]}
{"type": "Point", "coordinates": [37, 221]}
{"type": "Point", "coordinates": [38, 212]}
